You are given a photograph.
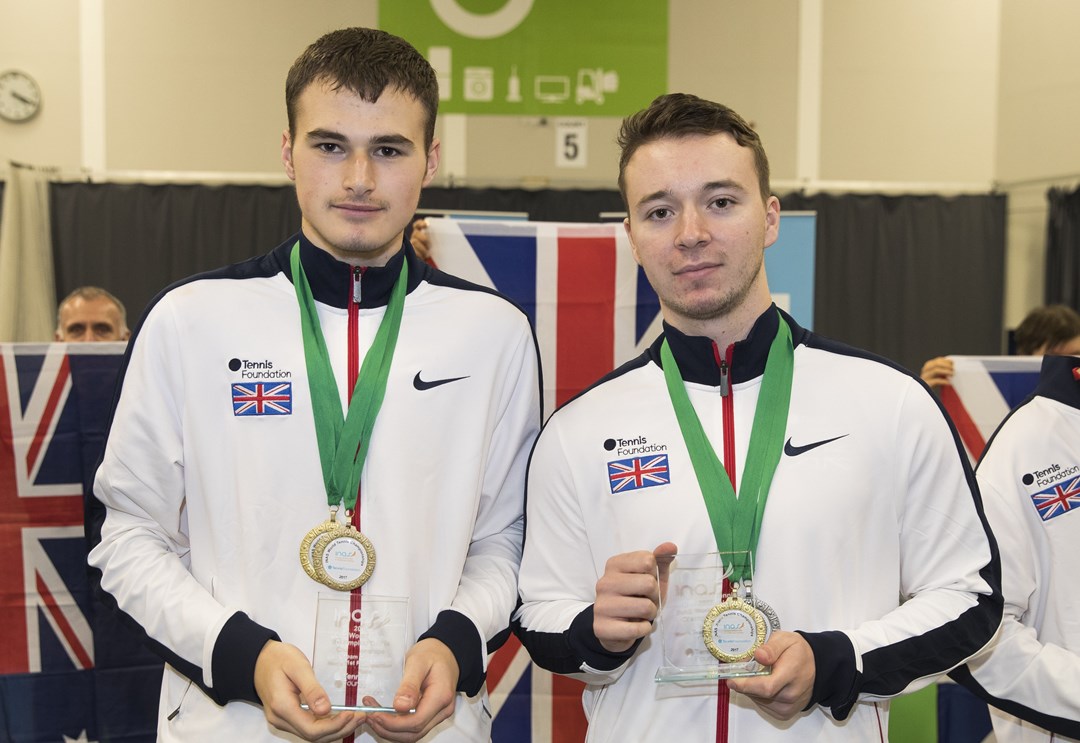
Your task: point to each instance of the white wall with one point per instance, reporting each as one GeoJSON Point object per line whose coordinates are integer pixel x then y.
{"type": "Point", "coordinates": [1037, 145]}
{"type": "Point", "coordinates": [42, 38]}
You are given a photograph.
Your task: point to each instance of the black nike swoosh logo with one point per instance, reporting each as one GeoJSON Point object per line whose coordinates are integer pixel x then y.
{"type": "Point", "coordinates": [420, 384]}
{"type": "Point", "coordinates": [794, 451]}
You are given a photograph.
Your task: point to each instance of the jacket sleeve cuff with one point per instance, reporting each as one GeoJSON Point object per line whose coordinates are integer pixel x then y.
{"type": "Point", "coordinates": [836, 679]}
{"type": "Point", "coordinates": [584, 643]}
{"type": "Point", "coordinates": [457, 632]}
{"type": "Point", "coordinates": [233, 660]}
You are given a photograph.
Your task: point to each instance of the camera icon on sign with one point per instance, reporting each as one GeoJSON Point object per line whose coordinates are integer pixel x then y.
{"type": "Point", "coordinates": [479, 84]}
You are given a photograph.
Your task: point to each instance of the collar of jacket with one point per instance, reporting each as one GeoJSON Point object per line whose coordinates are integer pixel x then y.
{"type": "Point", "coordinates": [331, 280]}
{"type": "Point", "coordinates": [697, 362]}
{"type": "Point", "coordinates": [1056, 380]}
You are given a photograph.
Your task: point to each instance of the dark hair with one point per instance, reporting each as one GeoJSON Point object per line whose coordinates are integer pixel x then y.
{"type": "Point", "coordinates": [365, 61]}
{"type": "Point", "coordinates": [681, 115]}
{"type": "Point", "coordinates": [1045, 328]}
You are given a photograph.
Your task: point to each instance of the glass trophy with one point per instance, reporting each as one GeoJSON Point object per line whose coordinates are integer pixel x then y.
{"type": "Point", "coordinates": [707, 632]}
{"type": "Point", "coordinates": [360, 647]}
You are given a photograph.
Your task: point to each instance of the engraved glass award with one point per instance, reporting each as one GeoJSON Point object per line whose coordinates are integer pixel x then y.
{"type": "Point", "coordinates": [360, 645]}
{"type": "Point", "coordinates": [709, 624]}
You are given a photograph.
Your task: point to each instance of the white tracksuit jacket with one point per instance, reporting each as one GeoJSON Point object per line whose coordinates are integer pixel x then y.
{"type": "Point", "coordinates": [206, 509]}
{"type": "Point", "coordinates": [1029, 477]}
{"type": "Point", "coordinates": [873, 544]}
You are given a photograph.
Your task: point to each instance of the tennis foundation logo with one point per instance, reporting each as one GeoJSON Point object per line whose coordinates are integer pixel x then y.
{"type": "Point", "coordinates": [647, 469]}
{"type": "Point", "coordinates": [261, 393]}
{"type": "Point", "coordinates": [1060, 490]}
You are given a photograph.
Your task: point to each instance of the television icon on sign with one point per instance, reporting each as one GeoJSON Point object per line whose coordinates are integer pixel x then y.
{"type": "Point", "coordinates": [551, 88]}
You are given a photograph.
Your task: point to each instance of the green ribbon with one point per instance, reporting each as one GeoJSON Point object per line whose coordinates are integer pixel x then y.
{"type": "Point", "coordinates": [736, 519]}
{"type": "Point", "coordinates": [344, 440]}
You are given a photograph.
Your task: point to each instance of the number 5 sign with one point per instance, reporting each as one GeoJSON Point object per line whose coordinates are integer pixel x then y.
{"type": "Point", "coordinates": [571, 143]}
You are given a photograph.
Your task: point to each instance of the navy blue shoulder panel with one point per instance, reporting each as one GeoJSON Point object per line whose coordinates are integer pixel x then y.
{"type": "Point", "coordinates": [813, 340]}
{"type": "Point", "coordinates": [262, 266]}
{"type": "Point", "coordinates": [629, 366]}
{"type": "Point", "coordinates": [820, 342]}
{"type": "Point", "coordinates": [1060, 725]}
{"type": "Point", "coordinates": [435, 277]}
{"type": "Point", "coordinates": [258, 267]}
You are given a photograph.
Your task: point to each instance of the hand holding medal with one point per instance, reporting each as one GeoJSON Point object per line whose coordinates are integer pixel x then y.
{"type": "Point", "coordinates": [787, 690]}
{"type": "Point", "coordinates": [734, 624]}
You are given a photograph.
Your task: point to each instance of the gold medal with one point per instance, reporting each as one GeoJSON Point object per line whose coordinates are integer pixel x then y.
{"type": "Point", "coordinates": [733, 630]}
{"type": "Point", "coordinates": [307, 544]}
{"type": "Point", "coordinates": [343, 559]}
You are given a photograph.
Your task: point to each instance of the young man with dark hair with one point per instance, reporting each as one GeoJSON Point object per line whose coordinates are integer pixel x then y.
{"type": "Point", "coordinates": [874, 571]}
{"type": "Point", "coordinates": [1053, 329]}
{"type": "Point", "coordinates": [283, 419]}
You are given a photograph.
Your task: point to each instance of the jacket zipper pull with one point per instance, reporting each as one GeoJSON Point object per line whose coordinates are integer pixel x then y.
{"type": "Point", "coordinates": [725, 381]}
{"type": "Point", "coordinates": [357, 274]}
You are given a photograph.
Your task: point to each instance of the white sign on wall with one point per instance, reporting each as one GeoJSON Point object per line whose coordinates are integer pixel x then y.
{"type": "Point", "coordinates": [571, 143]}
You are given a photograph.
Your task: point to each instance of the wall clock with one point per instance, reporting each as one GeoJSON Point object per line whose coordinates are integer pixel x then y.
{"type": "Point", "coordinates": [20, 96]}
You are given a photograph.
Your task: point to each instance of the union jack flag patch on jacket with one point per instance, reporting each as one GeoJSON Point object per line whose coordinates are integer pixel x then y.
{"type": "Point", "coordinates": [638, 472]}
{"type": "Point", "coordinates": [262, 398]}
{"type": "Point", "coordinates": [1057, 499]}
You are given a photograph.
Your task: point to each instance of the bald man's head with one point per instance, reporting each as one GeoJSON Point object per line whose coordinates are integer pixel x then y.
{"type": "Point", "coordinates": [91, 314]}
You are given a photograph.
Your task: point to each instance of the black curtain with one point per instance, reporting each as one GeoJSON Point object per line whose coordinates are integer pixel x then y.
{"type": "Point", "coordinates": [1063, 247]}
{"type": "Point", "coordinates": [908, 277]}
{"type": "Point", "coordinates": [136, 239]}
{"type": "Point", "coordinates": [547, 205]}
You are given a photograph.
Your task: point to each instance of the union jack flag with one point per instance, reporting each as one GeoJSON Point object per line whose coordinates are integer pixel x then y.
{"type": "Point", "coordinates": [589, 302]}
{"type": "Point", "coordinates": [54, 411]}
{"type": "Point", "coordinates": [592, 309]}
{"type": "Point", "coordinates": [262, 398]}
{"type": "Point", "coordinates": [529, 704]}
{"type": "Point", "coordinates": [638, 472]}
{"type": "Point", "coordinates": [1057, 499]}
{"type": "Point", "coordinates": [983, 391]}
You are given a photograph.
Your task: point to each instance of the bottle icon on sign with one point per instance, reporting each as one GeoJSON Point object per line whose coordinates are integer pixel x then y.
{"type": "Point", "coordinates": [513, 86]}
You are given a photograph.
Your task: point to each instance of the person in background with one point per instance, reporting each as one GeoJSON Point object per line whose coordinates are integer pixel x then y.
{"type": "Point", "coordinates": [1029, 477]}
{"type": "Point", "coordinates": [284, 421]}
{"type": "Point", "coordinates": [738, 432]}
{"type": "Point", "coordinates": [91, 314]}
{"type": "Point", "coordinates": [1053, 329]}
{"type": "Point", "coordinates": [421, 240]}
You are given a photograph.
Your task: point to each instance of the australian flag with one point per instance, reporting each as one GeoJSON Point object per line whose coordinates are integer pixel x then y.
{"type": "Point", "coordinates": [67, 673]}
